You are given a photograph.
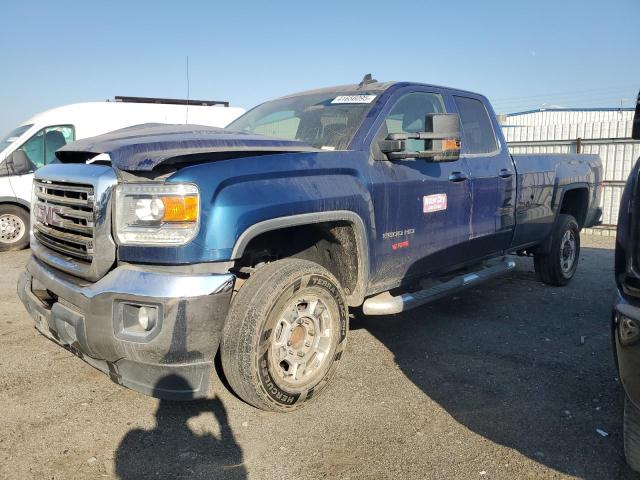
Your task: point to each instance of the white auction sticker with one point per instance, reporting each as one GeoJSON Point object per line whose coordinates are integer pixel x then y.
{"type": "Point", "coordinates": [354, 99]}
{"type": "Point", "coordinates": [434, 203]}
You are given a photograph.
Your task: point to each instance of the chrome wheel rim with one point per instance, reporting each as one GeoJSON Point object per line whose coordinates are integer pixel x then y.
{"type": "Point", "coordinates": [12, 228]}
{"type": "Point", "coordinates": [567, 251]}
{"type": "Point", "coordinates": [301, 342]}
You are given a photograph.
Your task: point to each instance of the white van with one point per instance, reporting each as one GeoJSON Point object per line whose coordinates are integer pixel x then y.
{"type": "Point", "coordinates": [33, 144]}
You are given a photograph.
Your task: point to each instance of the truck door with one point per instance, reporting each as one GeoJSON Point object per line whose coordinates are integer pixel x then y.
{"type": "Point", "coordinates": [493, 178]}
{"type": "Point", "coordinates": [421, 208]}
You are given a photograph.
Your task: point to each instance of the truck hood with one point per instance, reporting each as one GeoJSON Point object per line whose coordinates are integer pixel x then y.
{"type": "Point", "coordinates": [144, 147]}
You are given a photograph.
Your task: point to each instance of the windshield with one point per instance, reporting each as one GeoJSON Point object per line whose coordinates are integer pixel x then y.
{"type": "Point", "coordinates": [13, 136]}
{"type": "Point", "coordinates": [326, 120]}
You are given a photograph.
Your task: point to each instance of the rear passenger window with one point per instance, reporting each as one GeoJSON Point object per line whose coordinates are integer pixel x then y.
{"type": "Point", "coordinates": [477, 130]}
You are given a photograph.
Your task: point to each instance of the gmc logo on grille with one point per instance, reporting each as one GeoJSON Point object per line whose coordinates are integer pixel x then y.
{"type": "Point", "coordinates": [49, 214]}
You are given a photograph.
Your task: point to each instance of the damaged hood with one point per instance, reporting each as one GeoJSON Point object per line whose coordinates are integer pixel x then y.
{"type": "Point", "coordinates": [144, 147]}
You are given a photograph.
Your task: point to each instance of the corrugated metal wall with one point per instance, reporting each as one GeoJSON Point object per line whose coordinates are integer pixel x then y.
{"type": "Point", "coordinates": [569, 117]}
{"type": "Point", "coordinates": [604, 132]}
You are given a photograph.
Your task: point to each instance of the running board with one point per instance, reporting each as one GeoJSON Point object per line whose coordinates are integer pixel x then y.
{"type": "Point", "coordinates": [387, 304]}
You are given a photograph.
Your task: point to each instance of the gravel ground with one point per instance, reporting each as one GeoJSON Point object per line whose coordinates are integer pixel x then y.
{"type": "Point", "coordinates": [494, 383]}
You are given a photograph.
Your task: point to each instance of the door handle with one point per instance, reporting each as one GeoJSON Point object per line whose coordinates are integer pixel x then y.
{"type": "Point", "coordinates": [457, 177]}
{"type": "Point", "coordinates": [505, 173]}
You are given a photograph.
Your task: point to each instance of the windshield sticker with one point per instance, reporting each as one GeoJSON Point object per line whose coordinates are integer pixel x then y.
{"type": "Point", "coordinates": [434, 203]}
{"type": "Point", "coordinates": [354, 99]}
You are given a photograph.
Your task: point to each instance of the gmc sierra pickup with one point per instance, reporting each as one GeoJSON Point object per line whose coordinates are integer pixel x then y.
{"type": "Point", "coordinates": [255, 240]}
{"type": "Point", "coordinates": [626, 309]}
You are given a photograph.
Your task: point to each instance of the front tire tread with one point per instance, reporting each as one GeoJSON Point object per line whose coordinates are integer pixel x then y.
{"type": "Point", "coordinates": [632, 434]}
{"type": "Point", "coordinates": [240, 339]}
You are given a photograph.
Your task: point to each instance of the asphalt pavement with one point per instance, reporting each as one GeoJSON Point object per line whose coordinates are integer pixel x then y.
{"type": "Point", "coordinates": [510, 380]}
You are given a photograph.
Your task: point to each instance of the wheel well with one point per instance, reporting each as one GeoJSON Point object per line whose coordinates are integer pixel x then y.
{"type": "Point", "coordinates": [330, 244]}
{"type": "Point", "coordinates": [575, 202]}
{"type": "Point", "coordinates": [17, 204]}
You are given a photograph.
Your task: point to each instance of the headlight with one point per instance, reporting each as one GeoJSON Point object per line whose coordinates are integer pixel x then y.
{"type": "Point", "coordinates": [156, 214]}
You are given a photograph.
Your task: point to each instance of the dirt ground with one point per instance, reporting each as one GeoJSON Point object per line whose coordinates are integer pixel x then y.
{"type": "Point", "coordinates": [493, 383]}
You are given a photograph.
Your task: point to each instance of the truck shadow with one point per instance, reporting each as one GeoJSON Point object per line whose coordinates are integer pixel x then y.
{"type": "Point", "coordinates": [508, 360]}
{"type": "Point", "coordinates": [172, 450]}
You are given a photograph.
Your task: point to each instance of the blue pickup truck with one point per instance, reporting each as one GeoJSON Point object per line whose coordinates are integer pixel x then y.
{"type": "Point", "coordinates": [254, 241]}
{"type": "Point", "coordinates": [626, 310]}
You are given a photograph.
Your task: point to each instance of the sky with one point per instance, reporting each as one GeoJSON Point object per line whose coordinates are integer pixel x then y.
{"type": "Point", "coordinates": [521, 54]}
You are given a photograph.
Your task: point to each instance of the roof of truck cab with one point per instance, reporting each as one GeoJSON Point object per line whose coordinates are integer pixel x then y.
{"type": "Point", "coordinates": [375, 87]}
{"type": "Point", "coordinates": [369, 87]}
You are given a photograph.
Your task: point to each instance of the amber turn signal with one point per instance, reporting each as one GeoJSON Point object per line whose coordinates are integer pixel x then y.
{"type": "Point", "coordinates": [450, 144]}
{"type": "Point", "coordinates": [180, 208]}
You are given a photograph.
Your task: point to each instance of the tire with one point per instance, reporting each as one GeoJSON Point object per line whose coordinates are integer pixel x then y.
{"type": "Point", "coordinates": [559, 265]}
{"type": "Point", "coordinates": [278, 349]}
{"type": "Point", "coordinates": [14, 228]}
{"type": "Point", "coordinates": [632, 434]}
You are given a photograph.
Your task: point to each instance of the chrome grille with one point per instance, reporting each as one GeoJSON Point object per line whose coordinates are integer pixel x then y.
{"type": "Point", "coordinates": [64, 218]}
{"type": "Point", "coordinates": [71, 218]}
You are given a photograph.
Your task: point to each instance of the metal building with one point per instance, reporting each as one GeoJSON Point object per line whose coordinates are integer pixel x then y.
{"type": "Point", "coordinates": [605, 131]}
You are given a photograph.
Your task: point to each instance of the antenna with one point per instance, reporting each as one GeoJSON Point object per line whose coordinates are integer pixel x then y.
{"type": "Point", "coordinates": [366, 80]}
{"type": "Point", "coordinates": [187, 116]}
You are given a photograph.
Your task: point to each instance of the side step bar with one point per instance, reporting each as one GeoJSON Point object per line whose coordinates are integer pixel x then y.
{"type": "Point", "coordinates": [386, 304]}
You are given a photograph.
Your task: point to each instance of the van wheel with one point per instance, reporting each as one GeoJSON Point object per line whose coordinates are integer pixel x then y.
{"type": "Point", "coordinates": [559, 265]}
{"type": "Point", "coordinates": [284, 335]}
{"type": "Point", "coordinates": [632, 434]}
{"type": "Point", "coordinates": [14, 228]}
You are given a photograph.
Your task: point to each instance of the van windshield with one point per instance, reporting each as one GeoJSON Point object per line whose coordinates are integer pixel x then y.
{"type": "Point", "coordinates": [13, 136]}
{"type": "Point", "coordinates": [324, 120]}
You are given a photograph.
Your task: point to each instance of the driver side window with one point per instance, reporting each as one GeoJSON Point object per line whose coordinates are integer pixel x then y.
{"type": "Point", "coordinates": [408, 116]}
{"type": "Point", "coordinates": [41, 147]}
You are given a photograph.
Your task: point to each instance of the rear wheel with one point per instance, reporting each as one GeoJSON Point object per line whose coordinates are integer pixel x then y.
{"type": "Point", "coordinates": [559, 265]}
{"type": "Point", "coordinates": [632, 434]}
{"type": "Point", "coordinates": [285, 334]}
{"type": "Point", "coordinates": [14, 228]}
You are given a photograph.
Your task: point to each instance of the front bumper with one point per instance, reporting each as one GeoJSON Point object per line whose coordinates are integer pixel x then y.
{"type": "Point", "coordinates": [625, 324]}
{"type": "Point", "coordinates": [174, 359]}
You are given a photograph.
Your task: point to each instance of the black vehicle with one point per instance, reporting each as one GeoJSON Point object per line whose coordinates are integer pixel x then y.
{"type": "Point", "coordinates": [626, 309]}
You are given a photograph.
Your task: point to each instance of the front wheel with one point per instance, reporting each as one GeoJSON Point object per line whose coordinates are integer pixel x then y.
{"type": "Point", "coordinates": [632, 434]}
{"type": "Point", "coordinates": [284, 335]}
{"type": "Point", "coordinates": [559, 265]}
{"type": "Point", "coordinates": [14, 228]}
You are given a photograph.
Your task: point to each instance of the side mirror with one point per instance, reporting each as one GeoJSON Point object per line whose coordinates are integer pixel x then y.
{"type": "Point", "coordinates": [635, 134]}
{"type": "Point", "coordinates": [19, 164]}
{"type": "Point", "coordinates": [442, 129]}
